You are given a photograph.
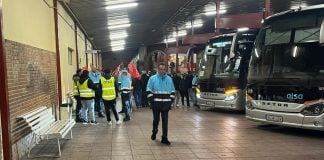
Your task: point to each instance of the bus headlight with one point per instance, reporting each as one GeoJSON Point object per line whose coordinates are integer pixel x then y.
{"type": "Point", "coordinates": [230, 98]}
{"type": "Point", "coordinates": [313, 110]}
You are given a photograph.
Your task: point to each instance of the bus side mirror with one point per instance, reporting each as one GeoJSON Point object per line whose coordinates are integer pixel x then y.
{"type": "Point", "coordinates": [322, 33]}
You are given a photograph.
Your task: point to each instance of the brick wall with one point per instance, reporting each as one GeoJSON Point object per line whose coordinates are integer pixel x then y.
{"type": "Point", "coordinates": [31, 84]}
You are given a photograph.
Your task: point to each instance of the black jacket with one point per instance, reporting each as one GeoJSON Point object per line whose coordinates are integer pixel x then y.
{"type": "Point", "coordinates": [115, 84]}
{"type": "Point", "coordinates": [91, 85]}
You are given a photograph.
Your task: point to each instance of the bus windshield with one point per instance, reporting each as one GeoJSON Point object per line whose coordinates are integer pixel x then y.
{"type": "Point", "coordinates": [292, 52]}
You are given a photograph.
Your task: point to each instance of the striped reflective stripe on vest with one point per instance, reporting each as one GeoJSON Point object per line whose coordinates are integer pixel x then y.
{"type": "Point", "coordinates": [85, 91]}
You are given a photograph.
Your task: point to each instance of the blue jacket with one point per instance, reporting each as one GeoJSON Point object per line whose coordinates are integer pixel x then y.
{"type": "Point", "coordinates": [95, 77]}
{"type": "Point", "coordinates": [160, 88]}
{"type": "Point", "coordinates": [195, 81]}
{"type": "Point", "coordinates": [125, 82]}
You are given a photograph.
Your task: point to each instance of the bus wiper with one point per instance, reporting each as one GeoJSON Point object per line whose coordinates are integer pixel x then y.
{"type": "Point", "coordinates": [277, 38]}
{"type": "Point", "coordinates": [309, 35]}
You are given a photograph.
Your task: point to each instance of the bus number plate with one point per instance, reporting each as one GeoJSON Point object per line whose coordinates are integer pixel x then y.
{"type": "Point", "coordinates": [274, 118]}
{"type": "Point", "coordinates": [210, 103]}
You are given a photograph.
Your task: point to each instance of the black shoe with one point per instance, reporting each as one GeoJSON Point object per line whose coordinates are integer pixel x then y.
{"type": "Point", "coordinates": [165, 141]}
{"type": "Point", "coordinates": [121, 111]}
{"type": "Point", "coordinates": [78, 120]}
{"type": "Point", "coordinates": [93, 122]}
{"type": "Point", "coordinates": [100, 114]}
{"type": "Point", "coordinates": [153, 136]}
{"type": "Point", "coordinates": [126, 119]}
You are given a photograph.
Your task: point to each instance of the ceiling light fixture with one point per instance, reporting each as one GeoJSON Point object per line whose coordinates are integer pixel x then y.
{"type": "Point", "coordinates": [120, 26]}
{"type": "Point", "coordinates": [118, 43]}
{"type": "Point", "coordinates": [118, 48]}
{"type": "Point", "coordinates": [194, 26]}
{"type": "Point", "coordinates": [210, 13]}
{"type": "Point", "coordinates": [121, 6]}
{"type": "Point", "coordinates": [242, 29]}
{"type": "Point", "coordinates": [118, 21]}
{"type": "Point", "coordinates": [171, 40]}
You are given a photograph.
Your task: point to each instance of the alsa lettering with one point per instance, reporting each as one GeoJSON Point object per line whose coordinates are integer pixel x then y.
{"type": "Point", "coordinates": [293, 96]}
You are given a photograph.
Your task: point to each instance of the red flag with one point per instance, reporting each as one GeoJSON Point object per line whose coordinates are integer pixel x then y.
{"type": "Point", "coordinates": [133, 71]}
{"type": "Point", "coordinates": [116, 71]}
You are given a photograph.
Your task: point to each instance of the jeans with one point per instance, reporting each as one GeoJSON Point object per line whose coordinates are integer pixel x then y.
{"type": "Point", "coordinates": [192, 95]}
{"type": "Point", "coordinates": [78, 108]}
{"type": "Point", "coordinates": [177, 97]}
{"type": "Point", "coordinates": [184, 94]}
{"type": "Point", "coordinates": [88, 105]}
{"type": "Point", "coordinates": [127, 105]}
{"type": "Point", "coordinates": [98, 106]}
{"type": "Point", "coordinates": [138, 97]}
{"type": "Point", "coordinates": [110, 105]}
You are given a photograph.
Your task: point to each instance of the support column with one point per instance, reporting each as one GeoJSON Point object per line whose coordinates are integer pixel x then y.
{"type": "Point", "coordinates": [4, 103]}
{"type": "Point", "coordinates": [217, 30]}
{"type": "Point", "coordinates": [86, 48]}
{"type": "Point", "coordinates": [76, 44]}
{"type": "Point", "coordinates": [58, 60]}
{"type": "Point", "coordinates": [267, 9]}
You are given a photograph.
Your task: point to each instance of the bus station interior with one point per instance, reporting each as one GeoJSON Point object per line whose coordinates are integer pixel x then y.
{"type": "Point", "coordinates": [269, 106]}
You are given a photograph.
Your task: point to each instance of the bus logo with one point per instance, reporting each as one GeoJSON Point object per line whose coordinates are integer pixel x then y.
{"type": "Point", "coordinates": [292, 96]}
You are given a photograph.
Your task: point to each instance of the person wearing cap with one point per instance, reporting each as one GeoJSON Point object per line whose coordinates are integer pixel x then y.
{"type": "Point", "coordinates": [108, 86]}
{"type": "Point", "coordinates": [87, 95]}
{"type": "Point", "coordinates": [76, 95]}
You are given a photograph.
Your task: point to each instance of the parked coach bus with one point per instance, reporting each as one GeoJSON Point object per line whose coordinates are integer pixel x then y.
{"type": "Point", "coordinates": [223, 71]}
{"type": "Point", "coordinates": [286, 73]}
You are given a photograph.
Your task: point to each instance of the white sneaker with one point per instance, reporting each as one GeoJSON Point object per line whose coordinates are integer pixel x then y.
{"type": "Point", "coordinates": [118, 122]}
{"type": "Point", "coordinates": [109, 122]}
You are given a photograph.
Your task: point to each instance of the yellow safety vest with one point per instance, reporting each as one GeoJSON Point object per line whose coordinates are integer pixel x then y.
{"type": "Point", "coordinates": [108, 88]}
{"type": "Point", "coordinates": [75, 89]}
{"type": "Point", "coordinates": [85, 91]}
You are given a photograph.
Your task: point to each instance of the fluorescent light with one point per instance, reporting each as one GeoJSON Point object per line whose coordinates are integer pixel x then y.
{"type": "Point", "coordinates": [118, 35]}
{"type": "Point", "coordinates": [118, 21]}
{"type": "Point", "coordinates": [118, 48]}
{"type": "Point", "coordinates": [295, 51]}
{"type": "Point", "coordinates": [210, 13]}
{"type": "Point", "coordinates": [120, 26]}
{"type": "Point", "coordinates": [242, 29]}
{"type": "Point", "coordinates": [170, 40]}
{"type": "Point", "coordinates": [222, 11]}
{"type": "Point", "coordinates": [194, 26]}
{"type": "Point", "coordinates": [180, 33]}
{"type": "Point", "coordinates": [117, 43]}
{"type": "Point", "coordinates": [120, 6]}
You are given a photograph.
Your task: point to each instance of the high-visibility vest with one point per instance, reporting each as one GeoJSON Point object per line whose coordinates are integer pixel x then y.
{"type": "Point", "coordinates": [85, 91]}
{"type": "Point", "coordinates": [108, 88]}
{"type": "Point", "coordinates": [75, 90]}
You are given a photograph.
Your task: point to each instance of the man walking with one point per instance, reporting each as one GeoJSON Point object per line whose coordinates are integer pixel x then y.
{"type": "Point", "coordinates": [125, 83]}
{"type": "Point", "coordinates": [160, 94]}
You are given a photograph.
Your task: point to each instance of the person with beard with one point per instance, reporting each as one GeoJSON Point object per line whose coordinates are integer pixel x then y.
{"type": "Point", "coordinates": [109, 87]}
{"type": "Point", "coordinates": [87, 95]}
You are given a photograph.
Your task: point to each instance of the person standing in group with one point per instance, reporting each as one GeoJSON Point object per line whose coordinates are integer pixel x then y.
{"type": "Point", "coordinates": [137, 85]}
{"type": "Point", "coordinates": [160, 94]}
{"type": "Point", "coordinates": [95, 76]}
{"type": "Point", "coordinates": [108, 86]}
{"type": "Point", "coordinates": [87, 95]}
{"type": "Point", "coordinates": [176, 81]}
{"type": "Point", "coordinates": [190, 91]}
{"type": "Point", "coordinates": [125, 82]}
{"type": "Point", "coordinates": [183, 87]}
{"type": "Point", "coordinates": [144, 78]}
{"type": "Point", "coordinates": [195, 81]}
{"type": "Point", "coordinates": [76, 95]}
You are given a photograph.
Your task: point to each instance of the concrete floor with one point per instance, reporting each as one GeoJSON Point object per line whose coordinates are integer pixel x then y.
{"type": "Point", "coordinates": [194, 134]}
